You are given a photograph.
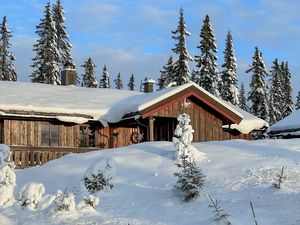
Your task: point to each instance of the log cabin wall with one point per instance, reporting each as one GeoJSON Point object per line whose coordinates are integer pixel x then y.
{"type": "Point", "coordinates": [28, 133]}
{"type": "Point", "coordinates": [114, 136]}
{"type": "Point", "coordinates": [206, 122]}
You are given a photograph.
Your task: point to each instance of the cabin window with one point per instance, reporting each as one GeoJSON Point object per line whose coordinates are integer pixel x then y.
{"type": "Point", "coordinates": [49, 134]}
{"type": "Point", "coordinates": [87, 136]}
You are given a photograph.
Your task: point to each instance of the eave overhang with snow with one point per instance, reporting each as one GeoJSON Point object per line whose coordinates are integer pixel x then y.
{"type": "Point", "coordinates": [80, 105]}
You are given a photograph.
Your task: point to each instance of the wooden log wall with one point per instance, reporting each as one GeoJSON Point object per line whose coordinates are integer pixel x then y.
{"type": "Point", "coordinates": [206, 123]}
{"type": "Point", "coordinates": [28, 133]}
{"type": "Point", "coordinates": [114, 136]}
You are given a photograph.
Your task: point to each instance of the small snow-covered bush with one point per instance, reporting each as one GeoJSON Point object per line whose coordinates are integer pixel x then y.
{"type": "Point", "coordinates": [89, 202]}
{"type": "Point", "coordinates": [220, 217]}
{"type": "Point", "coordinates": [7, 176]}
{"type": "Point", "coordinates": [98, 177]}
{"type": "Point", "coordinates": [31, 194]}
{"type": "Point", "coordinates": [279, 179]}
{"type": "Point", "coordinates": [64, 202]}
{"type": "Point", "coordinates": [190, 178]}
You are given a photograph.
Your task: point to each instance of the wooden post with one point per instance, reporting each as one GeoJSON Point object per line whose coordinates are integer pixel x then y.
{"type": "Point", "coordinates": [151, 128]}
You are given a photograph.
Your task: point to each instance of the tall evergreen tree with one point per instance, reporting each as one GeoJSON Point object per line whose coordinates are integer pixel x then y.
{"type": "Point", "coordinates": [45, 63]}
{"type": "Point", "coordinates": [104, 81]}
{"type": "Point", "coordinates": [258, 93]}
{"type": "Point", "coordinates": [297, 105]}
{"type": "Point", "coordinates": [242, 99]}
{"type": "Point", "coordinates": [118, 82]}
{"type": "Point", "coordinates": [230, 91]}
{"type": "Point", "coordinates": [181, 67]}
{"type": "Point", "coordinates": [276, 91]}
{"type": "Point", "coordinates": [288, 106]}
{"type": "Point", "coordinates": [7, 70]}
{"type": "Point", "coordinates": [166, 74]}
{"type": "Point", "coordinates": [131, 84]}
{"type": "Point", "coordinates": [206, 73]}
{"type": "Point", "coordinates": [63, 42]}
{"type": "Point", "coordinates": [89, 77]}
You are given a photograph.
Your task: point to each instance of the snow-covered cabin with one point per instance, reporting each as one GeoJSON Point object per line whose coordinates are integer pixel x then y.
{"type": "Point", "coordinates": [41, 122]}
{"type": "Point", "coordinates": [288, 127]}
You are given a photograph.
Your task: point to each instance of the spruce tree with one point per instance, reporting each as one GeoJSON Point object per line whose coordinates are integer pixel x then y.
{"type": "Point", "coordinates": [190, 178]}
{"type": "Point", "coordinates": [258, 94]}
{"type": "Point", "coordinates": [131, 84]}
{"type": "Point", "coordinates": [230, 90]}
{"type": "Point", "coordinates": [104, 81]}
{"type": "Point", "coordinates": [276, 91]}
{"type": "Point", "coordinates": [297, 105]}
{"type": "Point", "coordinates": [242, 99]}
{"type": "Point", "coordinates": [288, 106]}
{"type": "Point", "coordinates": [118, 82]}
{"type": "Point", "coordinates": [63, 43]}
{"type": "Point", "coordinates": [7, 70]}
{"type": "Point", "coordinates": [181, 67]}
{"type": "Point", "coordinates": [166, 74]}
{"type": "Point", "coordinates": [89, 77]}
{"type": "Point", "coordinates": [206, 72]}
{"type": "Point", "coordinates": [46, 61]}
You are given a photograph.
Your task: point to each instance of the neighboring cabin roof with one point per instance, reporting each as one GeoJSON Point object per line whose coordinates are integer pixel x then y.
{"type": "Point", "coordinates": [289, 125]}
{"type": "Point", "coordinates": [79, 105]}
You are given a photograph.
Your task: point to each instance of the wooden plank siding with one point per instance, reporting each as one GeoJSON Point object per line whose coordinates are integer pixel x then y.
{"type": "Point", "coordinates": [206, 123]}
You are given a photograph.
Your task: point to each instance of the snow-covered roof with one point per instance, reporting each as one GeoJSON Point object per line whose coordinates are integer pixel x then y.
{"type": "Point", "coordinates": [287, 125]}
{"type": "Point", "coordinates": [79, 104]}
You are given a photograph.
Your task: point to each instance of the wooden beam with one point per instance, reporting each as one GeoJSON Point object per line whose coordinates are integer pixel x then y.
{"type": "Point", "coordinates": [151, 128]}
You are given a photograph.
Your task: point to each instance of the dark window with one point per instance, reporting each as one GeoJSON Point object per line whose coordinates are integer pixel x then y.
{"type": "Point", "coordinates": [87, 136]}
{"type": "Point", "coordinates": [49, 134]}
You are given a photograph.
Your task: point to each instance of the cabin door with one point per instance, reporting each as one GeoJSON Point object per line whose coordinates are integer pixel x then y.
{"type": "Point", "coordinates": [164, 128]}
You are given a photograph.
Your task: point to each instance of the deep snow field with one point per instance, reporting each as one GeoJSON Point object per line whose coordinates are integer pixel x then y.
{"type": "Point", "coordinates": [237, 171]}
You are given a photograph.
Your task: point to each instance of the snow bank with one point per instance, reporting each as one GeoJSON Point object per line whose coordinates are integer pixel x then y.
{"type": "Point", "coordinates": [291, 122]}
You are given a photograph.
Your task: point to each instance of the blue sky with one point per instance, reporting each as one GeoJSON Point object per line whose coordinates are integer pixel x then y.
{"type": "Point", "coordinates": [135, 36]}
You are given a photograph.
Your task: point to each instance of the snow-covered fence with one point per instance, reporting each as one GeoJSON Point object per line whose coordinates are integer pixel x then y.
{"type": "Point", "coordinates": [24, 156]}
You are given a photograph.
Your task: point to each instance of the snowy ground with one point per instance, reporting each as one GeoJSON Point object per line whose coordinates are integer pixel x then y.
{"type": "Point", "coordinates": [237, 172]}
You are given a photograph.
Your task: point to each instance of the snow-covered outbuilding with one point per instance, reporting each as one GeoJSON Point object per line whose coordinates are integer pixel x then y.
{"type": "Point", "coordinates": [41, 122]}
{"type": "Point", "coordinates": [288, 127]}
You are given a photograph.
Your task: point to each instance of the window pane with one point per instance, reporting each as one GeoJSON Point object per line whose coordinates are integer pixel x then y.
{"type": "Point", "coordinates": [53, 135]}
{"type": "Point", "coordinates": [45, 134]}
{"type": "Point", "coordinates": [92, 137]}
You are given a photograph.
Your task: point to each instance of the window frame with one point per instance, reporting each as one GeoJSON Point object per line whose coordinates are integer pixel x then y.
{"type": "Point", "coordinates": [87, 136]}
{"type": "Point", "coordinates": [47, 134]}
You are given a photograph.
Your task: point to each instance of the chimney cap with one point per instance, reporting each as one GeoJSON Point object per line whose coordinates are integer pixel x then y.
{"type": "Point", "coordinates": [148, 80]}
{"type": "Point", "coordinates": [69, 65]}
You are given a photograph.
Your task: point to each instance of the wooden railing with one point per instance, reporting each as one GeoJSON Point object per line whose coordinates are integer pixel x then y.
{"type": "Point", "coordinates": [24, 156]}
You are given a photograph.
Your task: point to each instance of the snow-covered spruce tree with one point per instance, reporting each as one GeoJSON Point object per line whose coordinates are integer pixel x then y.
{"type": "Point", "coordinates": [230, 91]}
{"type": "Point", "coordinates": [206, 73]}
{"type": "Point", "coordinates": [183, 136]}
{"type": "Point", "coordinates": [242, 99]}
{"type": "Point", "coordinates": [166, 74]}
{"type": "Point", "coordinates": [31, 194]}
{"type": "Point", "coordinates": [220, 216]}
{"type": "Point", "coordinates": [297, 105]}
{"type": "Point", "coordinates": [89, 77]}
{"type": "Point", "coordinates": [131, 84]}
{"type": "Point", "coordinates": [288, 104]}
{"type": "Point", "coordinates": [104, 81]}
{"type": "Point", "coordinates": [279, 179]}
{"type": "Point", "coordinates": [118, 82]}
{"type": "Point", "coordinates": [190, 178]}
{"type": "Point", "coordinates": [63, 42]}
{"type": "Point", "coordinates": [258, 94]}
{"type": "Point", "coordinates": [46, 60]}
{"type": "Point", "coordinates": [7, 176]}
{"type": "Point", "coordinates": [275, 99]}
{"type": "Point", "coordinates": [7, 70]}
{"type": "Point", "coordinates": [181, 67]}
